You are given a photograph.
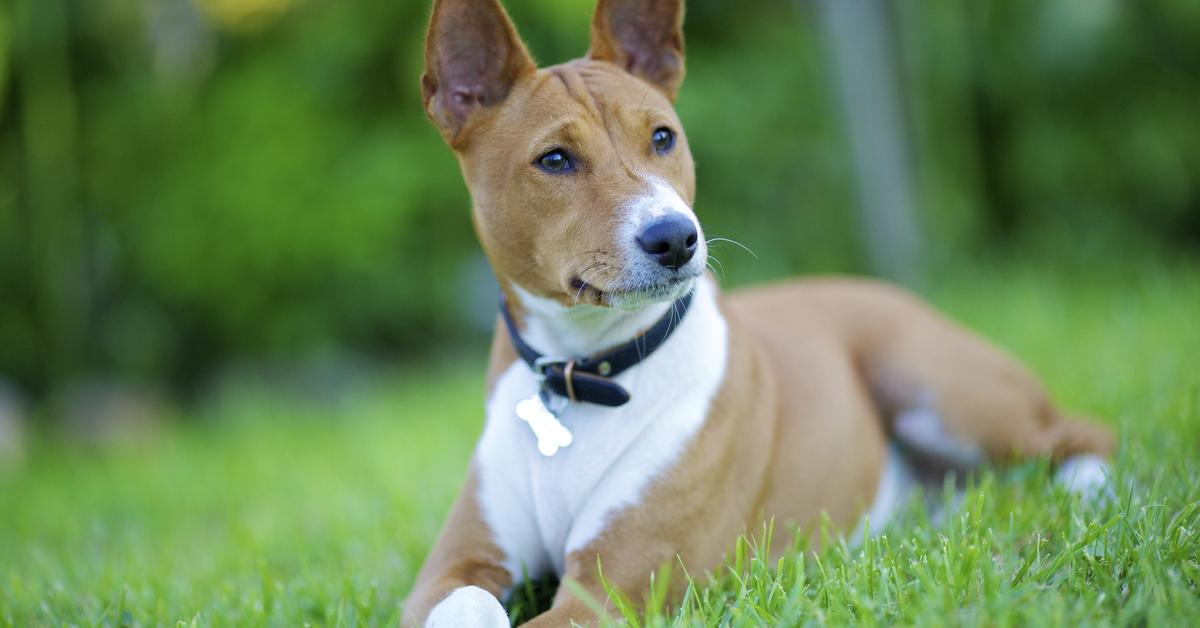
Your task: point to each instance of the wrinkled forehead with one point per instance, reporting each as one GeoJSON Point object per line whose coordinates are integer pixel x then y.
{"type": "Point", "coordinates": [578, 97]}
{"type": "Point", "coordinates": [608, 85]}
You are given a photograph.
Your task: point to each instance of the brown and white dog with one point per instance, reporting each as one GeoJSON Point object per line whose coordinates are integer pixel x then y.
{"type": "Point", "coordinates": [772, 403]}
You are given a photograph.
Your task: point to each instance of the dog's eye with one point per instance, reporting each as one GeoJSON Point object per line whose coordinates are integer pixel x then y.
{"type": "Point", "coordinates": [555, 162]}
{"type": "Point", "coordinates": [662, 140]}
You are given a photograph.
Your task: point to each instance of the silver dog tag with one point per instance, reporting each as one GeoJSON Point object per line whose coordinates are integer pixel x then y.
{"type": "Point", "coordinates": [552, 435]}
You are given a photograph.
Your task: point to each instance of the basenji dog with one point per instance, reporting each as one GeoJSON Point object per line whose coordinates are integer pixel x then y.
{"type": "Point", "coordinates": [634, 414]}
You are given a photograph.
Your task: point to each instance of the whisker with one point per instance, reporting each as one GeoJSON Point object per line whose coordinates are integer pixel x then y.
{"type": "Point", "coordinates": [588, 269]}
{"type": "Point", "coordinates": [597, 252]}
{"type": "Point", "coordinates": [713, 259]}
{"type": "Point", "coordinates": [733, 242]}
{"type": "Point", "coordinates": [583, 283]}
{"type": "Point", "coordinates": [595, 269]}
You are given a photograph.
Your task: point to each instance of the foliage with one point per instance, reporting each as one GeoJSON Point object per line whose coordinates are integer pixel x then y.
{"type": "Point", "coordinates": [275, 510]}
{"type": "Point", "coordinates": [186, 183]}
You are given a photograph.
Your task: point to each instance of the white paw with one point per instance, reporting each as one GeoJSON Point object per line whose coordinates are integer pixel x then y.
{"type": "Point", "coordinates": [922, 430]}
{"type": "Point", "coordinates": [1087, 476]}
{"type": "Point", "coordinates": [468, 606]}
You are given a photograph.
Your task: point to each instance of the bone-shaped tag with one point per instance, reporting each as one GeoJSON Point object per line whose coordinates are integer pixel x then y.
{"type": "Point", "coordinates": [551, 434]}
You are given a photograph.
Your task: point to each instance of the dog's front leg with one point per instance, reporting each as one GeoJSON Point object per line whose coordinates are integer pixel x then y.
{"type": "Point", "coordinates": [464, 575]}
{"type": "Point", "coordinates": [622, 572]}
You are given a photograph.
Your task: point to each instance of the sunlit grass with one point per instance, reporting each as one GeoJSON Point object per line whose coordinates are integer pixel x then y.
{"type": "Point", "coordinates": [260, 510]}
{"type": "Point", "coordinates": [263, 510]}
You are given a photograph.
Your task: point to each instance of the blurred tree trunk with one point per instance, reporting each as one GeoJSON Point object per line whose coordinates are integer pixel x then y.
{"type": "Point", "coordinates": [991, 120]}
{"type": "Point", "coordinates": [48, 199]}
{"type": "Point", "coordinates": [5, 47]}
{"type": "Point", "coordinates": [861, 38]}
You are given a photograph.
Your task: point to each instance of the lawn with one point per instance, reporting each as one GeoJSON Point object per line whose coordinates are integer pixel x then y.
{"type": "Point", "coordinates": [259, 508]}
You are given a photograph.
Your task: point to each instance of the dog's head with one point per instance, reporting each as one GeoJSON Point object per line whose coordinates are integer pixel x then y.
{"type": "Point", "coordinates": [580, 173]}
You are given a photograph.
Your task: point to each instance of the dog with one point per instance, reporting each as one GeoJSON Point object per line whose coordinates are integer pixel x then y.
{"type": "Point", "coordinates": [637, 416]}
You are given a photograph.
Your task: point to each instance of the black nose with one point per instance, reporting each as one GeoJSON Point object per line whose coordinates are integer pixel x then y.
{"type": "Point", "coordinates": [670, 240]}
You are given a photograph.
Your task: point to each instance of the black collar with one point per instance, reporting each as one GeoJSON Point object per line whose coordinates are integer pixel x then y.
{"type": "Point", "coordinates": [588, 379]}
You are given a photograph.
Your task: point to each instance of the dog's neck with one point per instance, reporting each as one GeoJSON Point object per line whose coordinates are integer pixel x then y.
{"type": "Point", "coordinates": [580, 330]}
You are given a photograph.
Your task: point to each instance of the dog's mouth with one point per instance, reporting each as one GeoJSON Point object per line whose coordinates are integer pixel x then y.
{"type": "Point", "coordinates": [632, 296]}
{"type": "Point", "coordinates": [584, 292]}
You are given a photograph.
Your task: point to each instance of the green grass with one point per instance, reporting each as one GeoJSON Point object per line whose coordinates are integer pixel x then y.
{"type": "Point", "coordinates": [263, 511]}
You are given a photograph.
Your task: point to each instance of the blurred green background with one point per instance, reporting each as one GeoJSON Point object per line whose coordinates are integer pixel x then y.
{"type": "Point", "coordinates": [243, 310]}
{"type": "Point", "coordinates": [187, 185]}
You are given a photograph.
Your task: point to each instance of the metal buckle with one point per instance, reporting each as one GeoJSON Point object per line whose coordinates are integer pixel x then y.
{"type": "Point", "coordinates": [541, 364]}
{"type": "Point", "coordinates": [554, 404]}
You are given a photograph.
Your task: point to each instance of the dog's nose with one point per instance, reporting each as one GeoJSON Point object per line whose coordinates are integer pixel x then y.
{"type": "Point", "coordinates": [670, 240]}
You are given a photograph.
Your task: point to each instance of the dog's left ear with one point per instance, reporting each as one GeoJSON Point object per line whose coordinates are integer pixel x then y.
{"type": "Point", "coordinates": [643, 36]}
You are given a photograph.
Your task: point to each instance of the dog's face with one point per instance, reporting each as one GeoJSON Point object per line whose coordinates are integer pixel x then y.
{"type": "Point", "coordinates": [580, 174]}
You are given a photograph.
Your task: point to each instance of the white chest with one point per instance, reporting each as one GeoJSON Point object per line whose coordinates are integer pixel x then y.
{"type": "Point", "coordinates": [542, 508]}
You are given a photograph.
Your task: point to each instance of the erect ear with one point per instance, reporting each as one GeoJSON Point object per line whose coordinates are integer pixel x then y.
{"type": "Point", "coordinates": [473, 57]}
{"type": "Point", "coordinates": [643, 36]}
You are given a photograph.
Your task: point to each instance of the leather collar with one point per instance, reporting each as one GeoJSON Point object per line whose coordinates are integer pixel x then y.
{"type": "Point", "coordinates": [588, 379]}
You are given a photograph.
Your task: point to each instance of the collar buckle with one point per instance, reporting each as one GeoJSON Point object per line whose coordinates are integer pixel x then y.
{"type": "Point", "coordinates": [543, 364]}
{"type": "Point", "coordinates": [589, 379]}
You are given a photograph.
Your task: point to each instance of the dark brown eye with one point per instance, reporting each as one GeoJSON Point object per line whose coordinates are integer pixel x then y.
{"type": "Point", "coordinates": [663, 140]}
{"type": "Point", "coordinates": [555, 162]}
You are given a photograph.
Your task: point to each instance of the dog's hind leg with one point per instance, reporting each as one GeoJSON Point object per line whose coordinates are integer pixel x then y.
{"type": "Point", "coordinates": [956, 398]}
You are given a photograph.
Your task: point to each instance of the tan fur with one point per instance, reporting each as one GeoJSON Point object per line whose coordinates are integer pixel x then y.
{"type": "Point", "coordinates": [816, 369]}
{"type": "Point", "coordinates": [462, 555]}
{"type": "Point", "coordinates": [541, 233]}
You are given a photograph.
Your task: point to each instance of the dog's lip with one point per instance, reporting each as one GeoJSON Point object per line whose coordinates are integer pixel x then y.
{"type": "Point", "coordinates": [578, 286]}
{"type": "Point", "coordinates": [623, 292]}
{"type": "Point", "coordinates": [665, 290]}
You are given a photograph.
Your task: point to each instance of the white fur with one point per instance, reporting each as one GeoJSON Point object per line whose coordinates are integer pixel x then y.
{"type": "Point", "coordinates": [468, 606]}
{"type": "Point", "coordinates": [896, 485]}
{"type": "Point", "coordinates": [922, 430]}
{"type": "Point", "coordinates": [542, 508]}
{"type": "Point", "coordinates": [1087, 475]}
{"type": "Point", "coordinates": [660, 200]}
{"type": "Point", "coordinates": [581, 330]}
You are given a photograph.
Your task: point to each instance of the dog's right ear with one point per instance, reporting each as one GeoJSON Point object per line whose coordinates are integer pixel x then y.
{"type": "Point", "coordinates": [473, 57]}
{"type": "Point", "coordinates": [643, 36]}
